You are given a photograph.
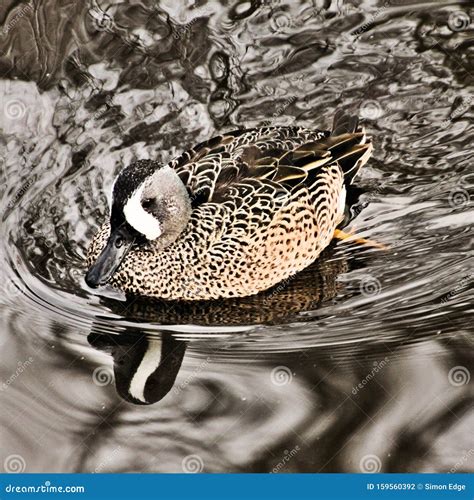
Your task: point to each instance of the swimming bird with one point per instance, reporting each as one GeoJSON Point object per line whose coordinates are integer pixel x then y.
{"type": "Point", "coordinates": [231, 217]}
{"type": "Point", "coordinates": [146, 366]}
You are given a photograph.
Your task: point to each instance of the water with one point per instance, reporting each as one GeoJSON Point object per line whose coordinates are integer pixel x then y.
{"type": "Point", "coordinates": [362, 363]}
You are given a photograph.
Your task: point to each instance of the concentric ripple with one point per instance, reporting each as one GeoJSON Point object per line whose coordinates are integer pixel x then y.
{"type": "Point", "coordinates": [358, 346]}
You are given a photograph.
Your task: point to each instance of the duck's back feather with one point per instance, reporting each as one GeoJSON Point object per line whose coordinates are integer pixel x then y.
{"type": "Point", "coordinates": [286, 156]}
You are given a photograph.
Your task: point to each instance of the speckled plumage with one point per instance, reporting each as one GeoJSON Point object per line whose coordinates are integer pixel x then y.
{"type": "Point", "coordinates": [265, 203]}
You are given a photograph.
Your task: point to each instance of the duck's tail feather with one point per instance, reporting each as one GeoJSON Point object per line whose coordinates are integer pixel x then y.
{"type": "Point", "coordinates": [344, 123]}
{"type": "Point", "coordinates": [349, 144]}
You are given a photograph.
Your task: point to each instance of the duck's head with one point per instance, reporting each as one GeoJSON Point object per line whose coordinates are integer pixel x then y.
{"type": "Point", "coordinates": [150, 203]}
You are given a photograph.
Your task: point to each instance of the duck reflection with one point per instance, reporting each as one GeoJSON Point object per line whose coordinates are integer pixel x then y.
{"type": "Point", "coordinates": [146, 367]}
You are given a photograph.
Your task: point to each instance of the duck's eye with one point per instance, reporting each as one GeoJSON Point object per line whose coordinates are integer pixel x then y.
{"type": "Point", "coordinates": [119, 242]}
{"type": "Point", "coordinates": [147, 203]}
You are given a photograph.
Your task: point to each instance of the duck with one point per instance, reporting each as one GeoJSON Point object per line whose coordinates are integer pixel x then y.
{"type": "Point", "coordinates": [232, 217]}
{"type": "Point", "coordinates": [146, 365]}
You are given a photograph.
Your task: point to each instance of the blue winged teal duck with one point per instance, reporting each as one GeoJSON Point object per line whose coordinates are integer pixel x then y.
{"type": "Point", "coordinates": [231, 217]}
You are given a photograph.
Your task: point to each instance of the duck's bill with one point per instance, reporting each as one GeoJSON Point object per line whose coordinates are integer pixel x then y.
{"type": "Point", "coordinates": [110, 258]}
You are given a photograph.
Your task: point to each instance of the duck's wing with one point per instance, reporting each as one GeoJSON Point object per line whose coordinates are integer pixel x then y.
{"type": "Point", "coordinates": [275, 159]}
{"type": "Point", "coordinates": [214, 162]}
{"type": "Point", "coordinates": [303, 156]}
{"type": "Point", "coordinates": [212, 166]}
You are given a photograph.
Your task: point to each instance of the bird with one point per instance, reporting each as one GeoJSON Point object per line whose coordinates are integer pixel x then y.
{"type": "Point", "coordinates": [146, 364]}
{"type": "Point", "coordinates": [231, 217]}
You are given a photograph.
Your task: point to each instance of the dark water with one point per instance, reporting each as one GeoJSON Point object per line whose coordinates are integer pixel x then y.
{"type": "Point", "coordinates": [362, 363]}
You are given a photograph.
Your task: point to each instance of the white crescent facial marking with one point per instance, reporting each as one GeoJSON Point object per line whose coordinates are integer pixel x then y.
{"type": "Point", "coordinates": [139, 218]}
{"type": "Point", "coordinates": [148, 365]}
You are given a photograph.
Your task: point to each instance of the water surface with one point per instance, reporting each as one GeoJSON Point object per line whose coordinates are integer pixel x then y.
{"type": "Point", "coordinates": [362, 363]}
